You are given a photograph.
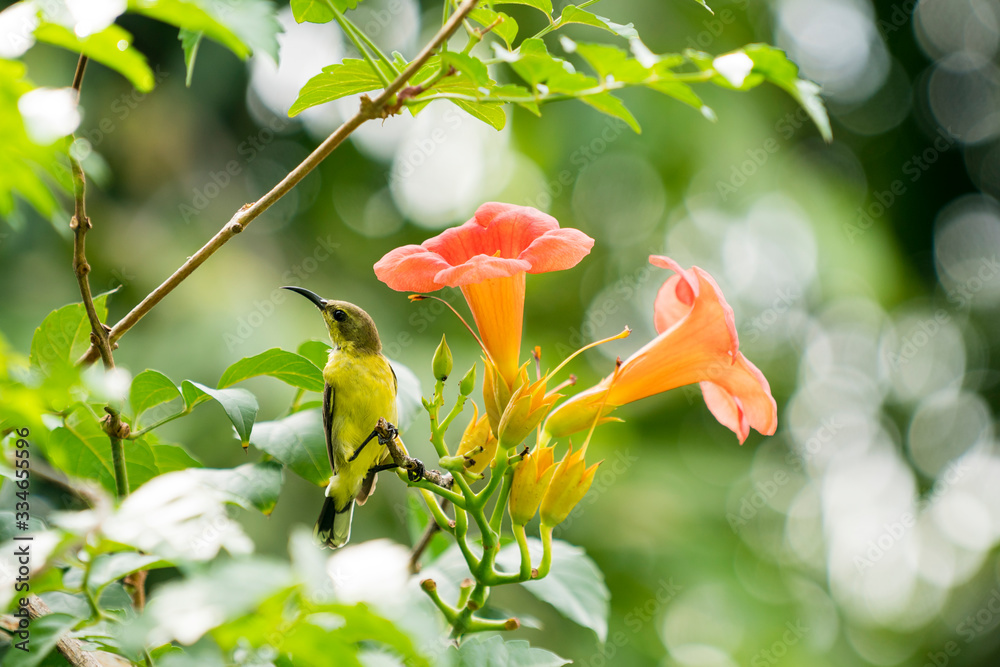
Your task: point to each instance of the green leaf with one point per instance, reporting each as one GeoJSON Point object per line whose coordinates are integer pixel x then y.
{"type": "Point", "coordinates": [347, 78]}
{"type": "Point", "coordinates": [361, 625]}
{"type": "Point", "coordinates": [81, 456]}
{"type": "Point", "coordinates": [535, 65]}
{"type": "Point", "coordinates": [574, 585]}
{"type": "Point", "coordinates": [240, 405]}
{"type": "Point", "coordinates": [255, 22]}
{"type": "Point", "coordinates": [170, 457]}
{"type": "Point", "coordinates": [190, 41]}
{"type": "Point", "coordinates": [610, 61]}
{"type": "Point", "coordinates": [243, 27]}
{"type": "Point", "coordinates": [288, 367]}
{"type": "Point", "coordinates": [315, 351]}
{"type": "Point", "coordinates": [704, 4]}
{"type": "Point", "coordinates": [573, 14]}
{"type": "Point", "coordinates": [312, 646]}
{"type": "Point", "coordinates": [8, 527]}
{"type": "Point", "coordinates": [45, 632]}
{"type": "Point", "coordinates": [318, 11]}
{"type": "Point", "coordinates": [27, 170]}
{"type": "Point", "coordinates": [512, 90]}
{"type": "Point", "coordinates": [541, 5]}
{"type": "Point", "coordinates": [192, 16]}
{"type": "Point", "coordinates": [775, 66]}
{"type": "Point", "coordinates": [224, 590]}
{"type": "Point", "coordinates": [111, 567]}
{"type": "Point", "coordinates": [490, 113]}
{"type": "Point", "coordinates": [473, 68]}
{"type": "Point", "coordinates": [251, 486]}
{"type": "Point", "coordinates": [298, 442]}
{"type": "Point", "coordinates": [149, 389]}
{"type": "Point", "coordinates": [64, 335]}
{"type": "Point", "coordinates": [684, 93]}
{"type": "Point", "coordinates": [111, 47]}
{"type": "Point", "coordinates": [83, 450]}
{"type": "Point", "coordinates": [506, 29]}
{"type": "Point", "coordinates": [494, 651]}
{"type": "Point", "coordinates": [612, 106]}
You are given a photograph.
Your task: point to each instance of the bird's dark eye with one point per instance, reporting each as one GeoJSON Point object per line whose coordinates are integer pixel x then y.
{"type": "Point", "coordinates": [339, 315]}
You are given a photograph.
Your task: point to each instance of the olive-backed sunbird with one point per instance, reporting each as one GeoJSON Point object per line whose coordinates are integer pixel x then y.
{"type": "Point", "coordinates": [360, 387]}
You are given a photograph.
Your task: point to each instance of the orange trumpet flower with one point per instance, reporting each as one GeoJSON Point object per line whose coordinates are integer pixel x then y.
{"type": "Point", "coordinates": [488, 257]}
{"type": "Point", "coordinates": [697, 342]}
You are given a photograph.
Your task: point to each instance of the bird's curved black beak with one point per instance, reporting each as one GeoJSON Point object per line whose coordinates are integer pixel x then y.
{"type": "Point", "coordinates": [312, 296]}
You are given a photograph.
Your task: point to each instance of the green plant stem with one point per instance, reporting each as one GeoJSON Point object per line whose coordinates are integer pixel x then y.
{"type": "Point", "coordinates": [475, 508]}
{"type": "Point", "coordinates": [143, 431]}
{"type": "Point", "coordinates": [464, 590]}
{"type": "Point", "coordinates": [456, 410]}
{"type": "Point", "coordinates": [121, 474]}
{"type": "Point", "coordinates": [296, 400]}
{"type": "Point", "coordinates": [522, 546]}
{"type": "Point", "coordinates": [461, 534]}
{"type": "Point", "coordinates": [456, 499]}
{"type": "Point", "coordinates": [496, 520]}
{"type": "Point", "coordinates": [495, 477]}
{"type": "Point", "coordinates": [440, 518]}
{"type": "Point", "coordinates": [371, 45]}
{"type": "Point", "coordinates": [698, 77]}
{"type": "Point", "coordinates": [450, 613]}
{"type": "Point", "coordinates": [347, 26]}
{"type": "Point", "coordinates": [95, 609]}
{"type": "Point", "coordinates": [469, 28]}
{"type": "Point", "coordinates": [546, 564]}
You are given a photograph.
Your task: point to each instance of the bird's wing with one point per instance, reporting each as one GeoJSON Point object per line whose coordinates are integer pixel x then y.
{"type": "Point", "coordinates": [329, 402]}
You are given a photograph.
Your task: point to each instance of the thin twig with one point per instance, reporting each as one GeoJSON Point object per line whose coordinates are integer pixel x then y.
{"type": "Point", "coordinates": [370, 109]}
{"type": "Point", "coordinates": [425, 540]}
{"type": "Point", "coordinates": [113, 425]}
{"type": "Point", "coordinates": [71, 649]}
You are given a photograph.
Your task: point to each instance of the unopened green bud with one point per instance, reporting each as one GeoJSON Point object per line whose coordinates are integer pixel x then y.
{"type": "Point", "coordinates": [443, 361]}
{"type": "Point", "coordinates": [468, 383]}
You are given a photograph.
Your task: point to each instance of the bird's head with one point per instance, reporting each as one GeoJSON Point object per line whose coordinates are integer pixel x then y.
{"type": "Point", "coordinates": [350, 327]}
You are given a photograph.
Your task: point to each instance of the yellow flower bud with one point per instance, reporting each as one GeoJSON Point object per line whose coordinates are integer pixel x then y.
{"type": "Point", "coordinates": [526, 409]}
{"type": "Point", "coordinates": [578, 413]}
{"type": "Point", "coordinates": [569, 484]}
{"type": "Point", "coordinates": [496, 391]}
{"type": "Point", "coordinates": [531, 478]}
{"type": "Point", "coordinates": [478, 445]}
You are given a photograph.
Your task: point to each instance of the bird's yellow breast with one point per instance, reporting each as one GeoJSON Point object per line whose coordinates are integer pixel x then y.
{"type": "Point", "coordinates": [364, 390]}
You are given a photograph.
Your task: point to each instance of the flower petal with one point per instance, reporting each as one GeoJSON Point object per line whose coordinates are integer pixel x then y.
{"type": "Point", "coordinates": [746, 383]}
{"type": "Point", "coordinates": [411, 268]}
{"type": "Point", "coordinates": [673, 303]}
{"type": "Point", "coordinates": [727, 409]}
{"type": "Point", "coordinates": [479, 268]}
{"type": "Point", "coordinates": [557, 250]}
{"type": "Point", "coordinates": [503, 228]}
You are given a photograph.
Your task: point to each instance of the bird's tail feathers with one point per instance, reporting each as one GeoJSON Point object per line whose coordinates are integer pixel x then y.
{"type": "Point", "coordinates": [333, 528]}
